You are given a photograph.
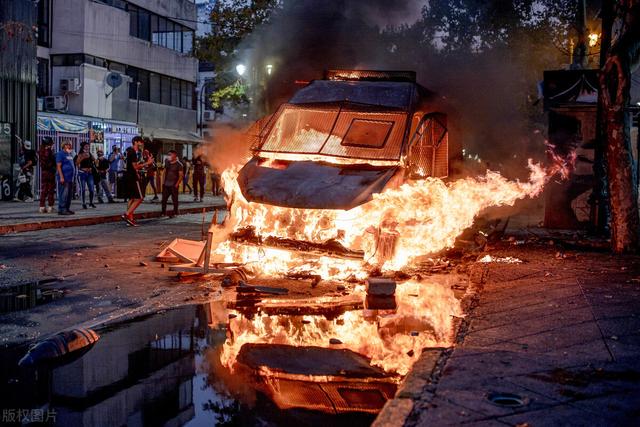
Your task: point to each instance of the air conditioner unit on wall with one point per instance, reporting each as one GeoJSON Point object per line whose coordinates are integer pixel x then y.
{"type": "Point", "coordinates": [54, 103]}
{"type": "Point", "coordinates": [70, 85]}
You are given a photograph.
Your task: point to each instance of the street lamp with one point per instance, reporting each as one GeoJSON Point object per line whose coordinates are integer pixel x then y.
{"type": "Point", "coordinates": [240, 69]}
{"type": "Point", "coordinates": [269, 69]}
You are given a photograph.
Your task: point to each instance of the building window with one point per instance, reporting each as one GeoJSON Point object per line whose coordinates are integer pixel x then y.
{"type": "Point", "coordinates": [43, 77]}
{"type": "Point", "coordinates": [175, 92]}
{"type": "Point", "coordinates": [44, 15]}
{"type": "Point", "coordinates": [187, 41]}
{"type": "Point", "coordinates": [159, 31]}
{"type": "Point", "coordinates": [184, 88]}
{"type": "Point", "coordinates": [133, 85]}
{"type": "Point", "coordinates": [154, 88]}
{"type": "Point", "coordinates": [165, 90]}
{"type": "Point", "coordinates": [143, 78]}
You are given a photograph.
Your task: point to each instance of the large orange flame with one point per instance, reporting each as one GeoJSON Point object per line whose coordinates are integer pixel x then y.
{"type": "Point", "coordinates": [423, 318]}
{"type": "Point", "coordinates": [422, 217]}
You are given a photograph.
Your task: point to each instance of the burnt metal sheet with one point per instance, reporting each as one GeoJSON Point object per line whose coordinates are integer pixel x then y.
{"type": "Point", "coordinates": [384, 94]}
{"type": "Point", "coordinates": [312, 185]}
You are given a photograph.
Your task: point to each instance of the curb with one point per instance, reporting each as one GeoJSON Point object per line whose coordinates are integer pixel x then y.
{"type": "Point", "coordinates": [423, 378]}
{"type": "Point", "coordinates": [79, 222]}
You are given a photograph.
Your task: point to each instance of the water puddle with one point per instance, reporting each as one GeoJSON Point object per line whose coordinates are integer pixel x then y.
{"type": "Point", "coordinates": [166, 369]}
{"type": "Point", "coordinates": [28, 295]}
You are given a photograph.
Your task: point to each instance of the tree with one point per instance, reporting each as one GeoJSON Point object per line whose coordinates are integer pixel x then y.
{"type": "Point", "coordinates": [615, 84]}
{"type": "Point", "coordinates": [231, 22]}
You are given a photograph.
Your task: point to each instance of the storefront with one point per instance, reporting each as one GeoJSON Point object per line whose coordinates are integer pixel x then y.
{"type": "Point", "coordinates": [169, 139]}
{"type": "Point", "coordinates": [114, 134]}
{"type": "Point", "coordinates": [101, 134]}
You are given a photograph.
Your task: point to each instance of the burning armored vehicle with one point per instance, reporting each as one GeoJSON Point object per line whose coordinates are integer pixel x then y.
{"type": "Point", "coordinates": [344, 138]}
{"type": "Point", "coordinates": [333, 148]}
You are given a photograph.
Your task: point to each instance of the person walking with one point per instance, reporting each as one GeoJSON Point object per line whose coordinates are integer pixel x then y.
{"type": "Point", "coordinates": [47, 174]}
{"type": "Point", "coordinates": [187, 173]}
{"type": "Point", "coordinates": [85, 163]}
{"type": "Point", "coordinates": [133, 189]}
{"type": "Point", "coordinates": [103, 167]}
{"type": "Point", "coordinates": [173, 175]}
{"type": "Point", "coordinates": [65, 171]}
{"type": "Point", "coordinates": [199, 178]}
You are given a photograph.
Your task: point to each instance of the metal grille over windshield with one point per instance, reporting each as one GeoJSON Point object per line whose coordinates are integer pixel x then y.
{"type": "Point", "coordinates": [335, 131]}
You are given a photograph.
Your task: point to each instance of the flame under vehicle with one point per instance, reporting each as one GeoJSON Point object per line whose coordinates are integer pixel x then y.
{"type": "Point", "coordinates": [339, 141]}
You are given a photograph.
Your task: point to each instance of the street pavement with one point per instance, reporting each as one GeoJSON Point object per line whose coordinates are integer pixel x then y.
{"type": "Point", "coordinates": [560, 332]}
{"type": "Point", "coordinates": [22, 216]}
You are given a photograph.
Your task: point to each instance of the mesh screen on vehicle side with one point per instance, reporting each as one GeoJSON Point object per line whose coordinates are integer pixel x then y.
{"type": "Point", "coordinates": [299, 130]}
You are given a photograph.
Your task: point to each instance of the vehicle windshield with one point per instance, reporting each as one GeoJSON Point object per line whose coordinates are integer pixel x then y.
{"type": "Point", "coordinates": [336, 131]}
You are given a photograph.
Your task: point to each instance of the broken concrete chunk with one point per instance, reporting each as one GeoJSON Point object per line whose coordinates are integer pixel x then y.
{"type": "Point", "coordinates": [381, 286]}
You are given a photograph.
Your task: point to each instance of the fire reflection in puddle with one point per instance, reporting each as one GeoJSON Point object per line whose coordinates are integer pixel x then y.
{"type": "Point", "coordinates": [206, 365]}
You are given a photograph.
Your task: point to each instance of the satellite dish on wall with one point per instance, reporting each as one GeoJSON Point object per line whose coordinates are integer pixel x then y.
{"type": "Point", "coordinates": [113, 80]}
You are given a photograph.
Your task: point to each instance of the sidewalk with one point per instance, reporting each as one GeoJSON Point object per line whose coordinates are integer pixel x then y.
{"type": "Point", "coordinates": [558, 336]}
{"type": "Point", "coordinates": [18, 217]}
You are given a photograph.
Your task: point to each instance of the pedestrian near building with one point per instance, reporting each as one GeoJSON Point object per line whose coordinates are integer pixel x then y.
{"type": "Point", "coordinates": [173, 175]}
{"type": "Point", "coordinates": [187, 174]}
{"type": "Point", "coordinates": [103, 167]}
{"type": "Point", "coordinates": [152, 170]}
{"type": "Point", "coordinates": [27, 160]}
{"type": "Point", "coordinates": [65, 171]}
{"type": "Point", "coordinates": [47, 174]}
{"type": "Point", "coordinates": [86, 164]}
{"type": "Point", "coordinates": [199, 178]}
{"type": "Point", "coordinates": [131, 181]}
{"type": "Point", "coordinates": [115, 161]}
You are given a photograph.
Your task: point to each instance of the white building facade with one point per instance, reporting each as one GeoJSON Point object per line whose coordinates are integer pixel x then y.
{"type": "Point", "coordinates": [122, 67]}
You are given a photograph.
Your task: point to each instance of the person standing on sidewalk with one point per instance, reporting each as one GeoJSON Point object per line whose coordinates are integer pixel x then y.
{"type": "Point", "coordinates": [85, 164]}
{"type": "Point", "coordinates": [173, 175]}
{"type": "Point", "coordinates": [65, 170]}
{"type": "Point", "coordinates": [47, 174]}
{"type": "Point", "coordinates": [133, 189]}
{"type": "Point", "coordinates": [199, 178]}
{"type": "Point", "coordinates": [187, 173]}
{"type": "Point", "coordinates": [152, 170]}
{"type": "Point", "coordinates": [115, 159]}
{"type": "Point", "coordinates": [103, 166]}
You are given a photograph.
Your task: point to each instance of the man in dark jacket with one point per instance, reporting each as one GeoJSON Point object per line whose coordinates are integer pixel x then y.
{"type": "Point", "coordinates": [199, 178]}
{"type": "Point", "coordinates": [47, 174]}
